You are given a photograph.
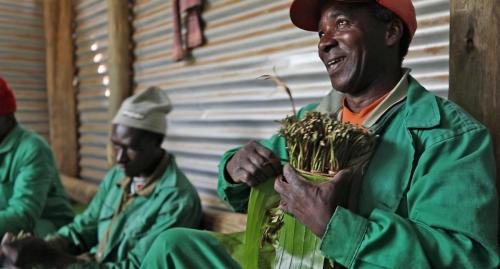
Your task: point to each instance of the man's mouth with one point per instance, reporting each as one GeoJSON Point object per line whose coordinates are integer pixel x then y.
{"type": "Point", "coordinates": [333, 64]}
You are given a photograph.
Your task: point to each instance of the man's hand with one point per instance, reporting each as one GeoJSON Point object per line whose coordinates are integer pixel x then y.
{"type": "Point", "coordinates": [313, 204]}
{"type": "Point", "coordinates": [30, 251]}
{"type": "Point", "coordinates": [253, 164]}
{"type": "Point", "coordinates": [4, 261]}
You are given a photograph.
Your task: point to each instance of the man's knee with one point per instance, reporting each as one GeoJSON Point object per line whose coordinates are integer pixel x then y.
{"type": "Point", "coordinates": [173, 238]}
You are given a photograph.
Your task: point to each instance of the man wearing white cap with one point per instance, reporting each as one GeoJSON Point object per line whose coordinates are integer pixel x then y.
{"type": "Point", "coordinates": [427, 198]}
{"type": "Point", "coordinates": [143, 195]}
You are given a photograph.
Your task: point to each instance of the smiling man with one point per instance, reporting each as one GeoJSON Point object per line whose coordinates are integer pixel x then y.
{"type": "Point", "coordinates": [427, 198]}
{"type": "Point", "coordinates": [143, 195]}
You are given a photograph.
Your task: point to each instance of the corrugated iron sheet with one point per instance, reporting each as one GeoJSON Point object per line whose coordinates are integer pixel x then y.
{"type": "Point", "coordinates": [91, 40]}
{"type": "Point", "coordinates": [22, 60]}
{"type": "Point", "coordinates": [220, 103]}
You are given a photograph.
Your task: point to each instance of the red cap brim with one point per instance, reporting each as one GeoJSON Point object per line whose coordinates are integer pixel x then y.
{"type": "Point", "coordinates": [305, 14]}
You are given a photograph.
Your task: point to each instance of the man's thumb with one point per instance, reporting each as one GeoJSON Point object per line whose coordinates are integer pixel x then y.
{"type": "Point", "coordinates": [7, 238]}
{"type": "Point", "coordinates": [342, 177]}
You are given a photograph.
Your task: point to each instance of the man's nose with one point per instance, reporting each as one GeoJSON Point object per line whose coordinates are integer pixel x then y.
{"type": "Point", "coordinates": [327, 42]}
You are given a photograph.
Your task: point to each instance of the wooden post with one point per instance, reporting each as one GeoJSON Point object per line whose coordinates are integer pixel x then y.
{"type": "Point", "coordinates": [119, 61]}
{"type": "Point", "coordinates": [58, 19]}
{"type": "Point", "coordinates": [474, 63]}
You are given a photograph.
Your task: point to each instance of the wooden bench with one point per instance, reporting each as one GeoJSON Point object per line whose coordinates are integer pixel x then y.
{"type": "Point", "coordinates": [82, 192]}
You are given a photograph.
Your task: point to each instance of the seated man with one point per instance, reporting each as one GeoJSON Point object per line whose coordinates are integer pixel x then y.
{"type": "Point", "coordinates": [143, 195]}
{"type": "Point", "coordinates": [32, 198]}
{"type": "Point", "coordinates": [427, 198]}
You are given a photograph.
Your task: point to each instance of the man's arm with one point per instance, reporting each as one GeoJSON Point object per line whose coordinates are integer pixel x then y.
{"type": "Point", "coordinates": [244, 167]}
{"type": "Point", "coordinates": [72, 239]}
{"type": "Point", "coordinates": [235, 193]}
{"type": "Point", "coordinates": [30, 189]}
{"type": "Point", "coordinates": [82, 233]}
{"type": "Point", "coordinates": [452, 215]}
{"type": "Point", "coordinates": [257, 162]}
{"type": "Point", "coordinates": [177, 210]}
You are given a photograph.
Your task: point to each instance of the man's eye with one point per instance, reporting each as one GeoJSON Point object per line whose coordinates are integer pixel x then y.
{"type": "Point", "coordinates": [342, 23]}
{"type": "Point", "coordinates": [133, 148]}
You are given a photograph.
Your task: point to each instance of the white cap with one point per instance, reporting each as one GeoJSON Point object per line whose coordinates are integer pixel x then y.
{"type": "Point", "coordinates": [145, 110]}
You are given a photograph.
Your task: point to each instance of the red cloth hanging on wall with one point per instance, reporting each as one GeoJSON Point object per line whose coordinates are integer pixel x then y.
{"type": "Point", "coordinates": [194, 36]}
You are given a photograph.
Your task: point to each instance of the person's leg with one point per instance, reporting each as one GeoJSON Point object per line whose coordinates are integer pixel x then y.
{"type": "Point", "coordinates": [181, 248]}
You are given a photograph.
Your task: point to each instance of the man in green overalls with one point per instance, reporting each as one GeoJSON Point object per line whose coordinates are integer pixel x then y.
{"type": "Point", "coordinates": [142, 196]}
{"type": "Point", "coordinates": [427, 198]}
{"type": "Point", "coordinates": [32, 198]}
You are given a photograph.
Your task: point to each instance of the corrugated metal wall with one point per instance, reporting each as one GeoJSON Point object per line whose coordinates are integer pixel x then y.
{"type": "Point", "coordinates": [218, 101]}
{"type": "Point", "coordinates": [22, 60]}
{"type": "Point", "coordinates": [91, 40]}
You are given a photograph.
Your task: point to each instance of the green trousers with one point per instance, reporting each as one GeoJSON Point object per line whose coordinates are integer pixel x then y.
{"type": "Point", "coordinates": [181, 248]}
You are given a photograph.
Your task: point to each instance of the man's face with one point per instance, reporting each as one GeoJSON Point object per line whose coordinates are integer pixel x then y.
{"type": "Point", "coordinates": [351, 45]}
{"type": "Point", "coordinates": [133, 149]}
{"type": "Point", "coordinates": [6, 124]}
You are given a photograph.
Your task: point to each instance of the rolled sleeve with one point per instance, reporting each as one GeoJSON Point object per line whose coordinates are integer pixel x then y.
{"type": "Point", "coordinates": [235, 194]}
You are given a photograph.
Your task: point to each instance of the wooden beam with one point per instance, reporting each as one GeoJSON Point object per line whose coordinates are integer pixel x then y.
{"type": "Point", "coordinates": [474, 63]}
{"type": "Point", "coordinates": [223, 221]}
{"type": "Point", "coordinates": [58, 19]}
{"type": "Point", "coordinates": [119, 59]}
{"type": "Point", "coordinates": [78, 190]}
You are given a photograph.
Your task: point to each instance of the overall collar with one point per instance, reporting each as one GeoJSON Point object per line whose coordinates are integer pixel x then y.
{"type": "Point", "coordinates": [332, 103]}
{"type": "Point", "coordinates": [421, 108]}
{"type": "Point", "coordinates": [151, 181]}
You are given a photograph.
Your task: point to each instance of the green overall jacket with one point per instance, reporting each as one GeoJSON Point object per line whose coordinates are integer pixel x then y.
{"type": "Point", "coordinates": [32, 197]}
{"type": "Point", "coordinates": [118, 232]}
{"type": "Point", "coordinates": [428, 197]}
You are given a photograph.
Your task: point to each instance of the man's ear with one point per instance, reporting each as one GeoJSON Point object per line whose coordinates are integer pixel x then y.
{"type": "Point", "coordinates": [394, 32]}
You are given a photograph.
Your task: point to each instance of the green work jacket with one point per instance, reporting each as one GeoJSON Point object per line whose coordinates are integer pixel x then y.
{"type": "Point", "coordinates": [172, 202]}
{"type": "Point", "coordinates": [32, 197]}
{"type": "Point", "coordinates": [428, 197]}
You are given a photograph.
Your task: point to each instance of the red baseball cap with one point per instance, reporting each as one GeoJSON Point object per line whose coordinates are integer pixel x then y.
{"type": "Point", "coordinates": [7, 99]}
{"type": "Point", "coordinates": [305, 14]}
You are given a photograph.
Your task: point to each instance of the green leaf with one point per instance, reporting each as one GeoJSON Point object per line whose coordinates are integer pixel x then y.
{"type": "Point", "coordinates": [262, 198]}
{"type": "Point", "coordinates": [298, 246]}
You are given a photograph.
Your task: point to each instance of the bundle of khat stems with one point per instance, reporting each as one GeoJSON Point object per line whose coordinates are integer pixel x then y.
{"type": "Point", "coordinates": [319, 146]}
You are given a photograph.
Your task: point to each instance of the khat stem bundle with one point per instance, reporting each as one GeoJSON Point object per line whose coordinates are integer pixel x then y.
{"type": "Point", "coordinates": [320, 145]}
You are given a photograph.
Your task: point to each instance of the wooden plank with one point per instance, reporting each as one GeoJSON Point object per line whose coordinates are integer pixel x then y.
{"type": "Point", "coordinates": [223, 221]}
{"type": "Point", "coordinates": [474, 67]}
{"type": "Point", "coordinates": [58, 18]}
{"type": "Point", "coordinates": [92, 173]}
{"type": "Point", "coordinates": [79, 190]}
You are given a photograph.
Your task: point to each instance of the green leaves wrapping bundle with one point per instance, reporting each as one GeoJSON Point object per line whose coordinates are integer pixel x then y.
{"type": "Point", "coordinates": [318, 147]}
